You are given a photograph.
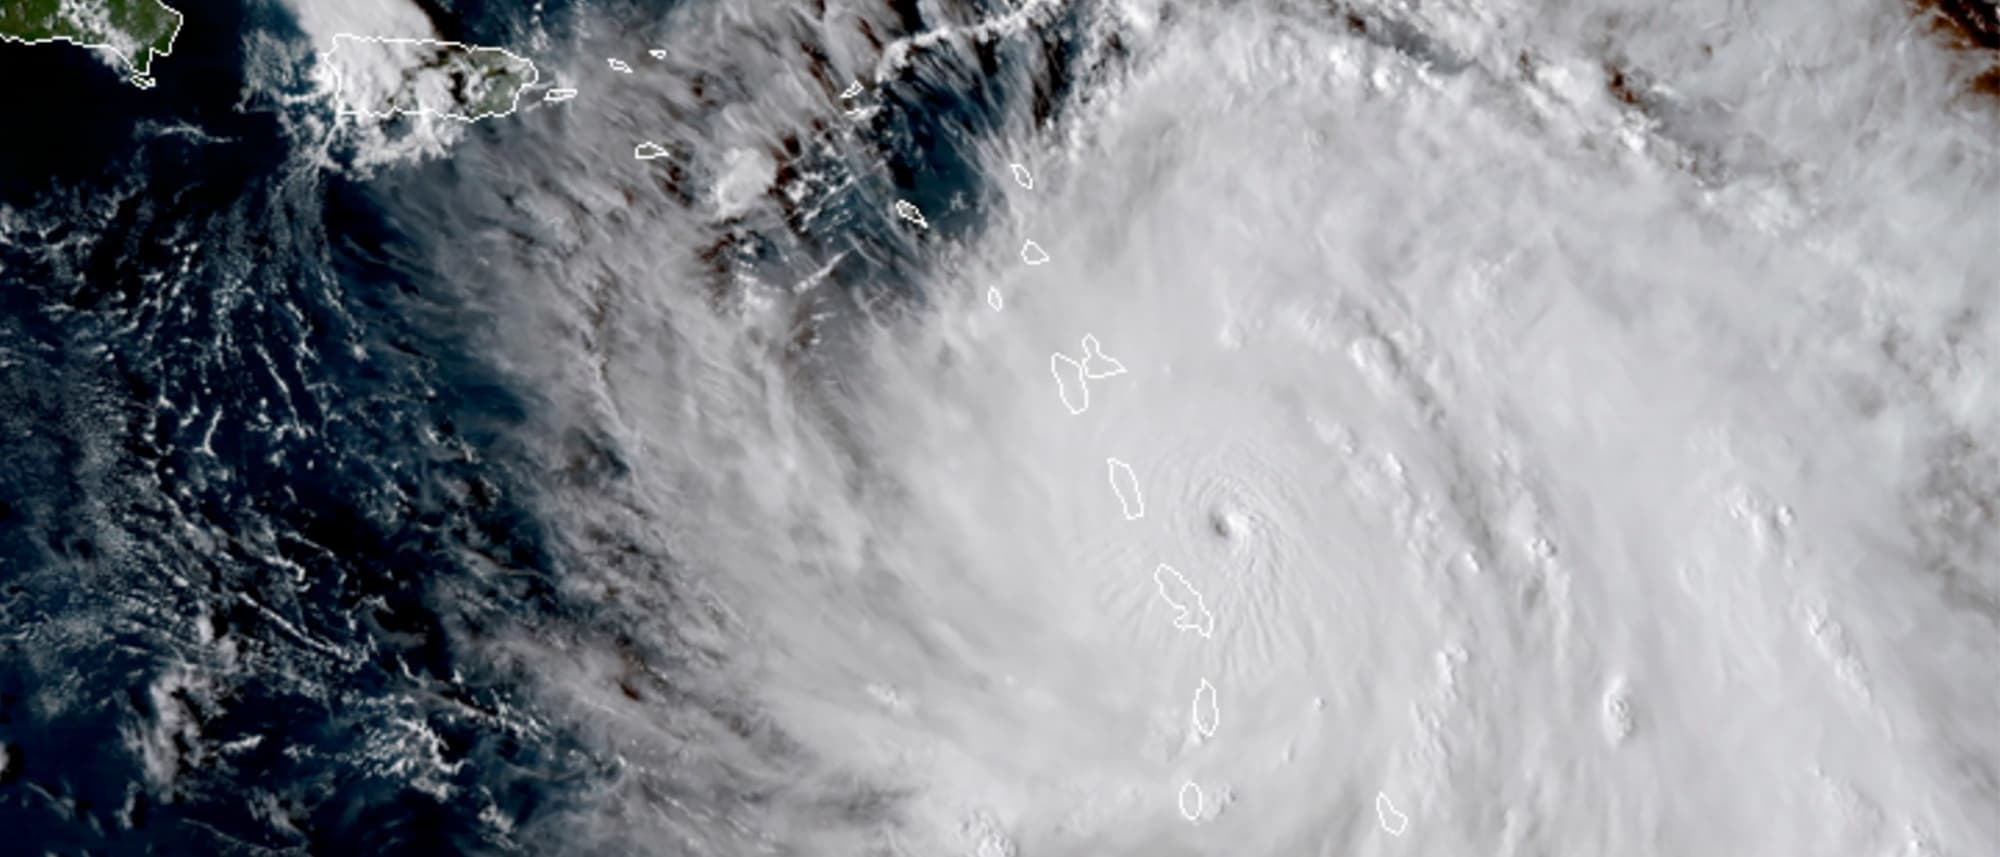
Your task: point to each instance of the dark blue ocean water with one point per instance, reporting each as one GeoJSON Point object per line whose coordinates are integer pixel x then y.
{"type": "Point", "coordinates": [258, 502]}
{"type": "Point", "coordinates": [219, 413]}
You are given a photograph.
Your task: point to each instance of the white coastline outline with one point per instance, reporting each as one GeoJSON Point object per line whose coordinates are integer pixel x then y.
{"type": "Point", "coordinates": [1205, 624]}
{"type": "Point", "coordinates": [1113, 465]}
{"type": "Point", "coordinates": [1206, 728]}
{"type": "Point", "coordinates": [852, 92]}
{"type": "Point", "coordinates": [1021, 176]}
{"type": "Point", "coordinates": [1093, 350]}
{"type": "Point", "coordinates": [1031, 245]}
{"type": "Point", "coordinates": [1056, 360]}
{"type": "Point", "coordinates": [141, 79]}
{"type": "Point", "coordinates": [340, 81]}
{"type": "Point", "coordinates": [1194, 814]}
{"type": "Point", "coordinates": [1384, 810]}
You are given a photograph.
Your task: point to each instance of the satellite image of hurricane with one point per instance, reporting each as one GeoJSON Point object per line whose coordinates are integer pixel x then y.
{"type": "Point", "coordinates": [1000, 428]}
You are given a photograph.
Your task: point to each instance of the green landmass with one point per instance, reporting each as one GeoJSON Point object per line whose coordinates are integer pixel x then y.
{"type": "Point", "coordinates": [465, 82]}
{"type": "Point", "coordinates": [488, 81]}
{"type": "Point", "coordinates": [136, 30]}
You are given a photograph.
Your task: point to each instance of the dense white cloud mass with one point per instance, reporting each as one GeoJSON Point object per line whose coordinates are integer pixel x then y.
{"type": "Point", "coordinates": [1578, 419]}
{"type": "Point", "coordinates": [324, 19]}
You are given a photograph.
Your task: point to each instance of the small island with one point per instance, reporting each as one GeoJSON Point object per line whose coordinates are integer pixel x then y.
{"type": "Point", "coordinates": [134, 31]}
{"type": "Point", "coordinates": [380, 77]}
